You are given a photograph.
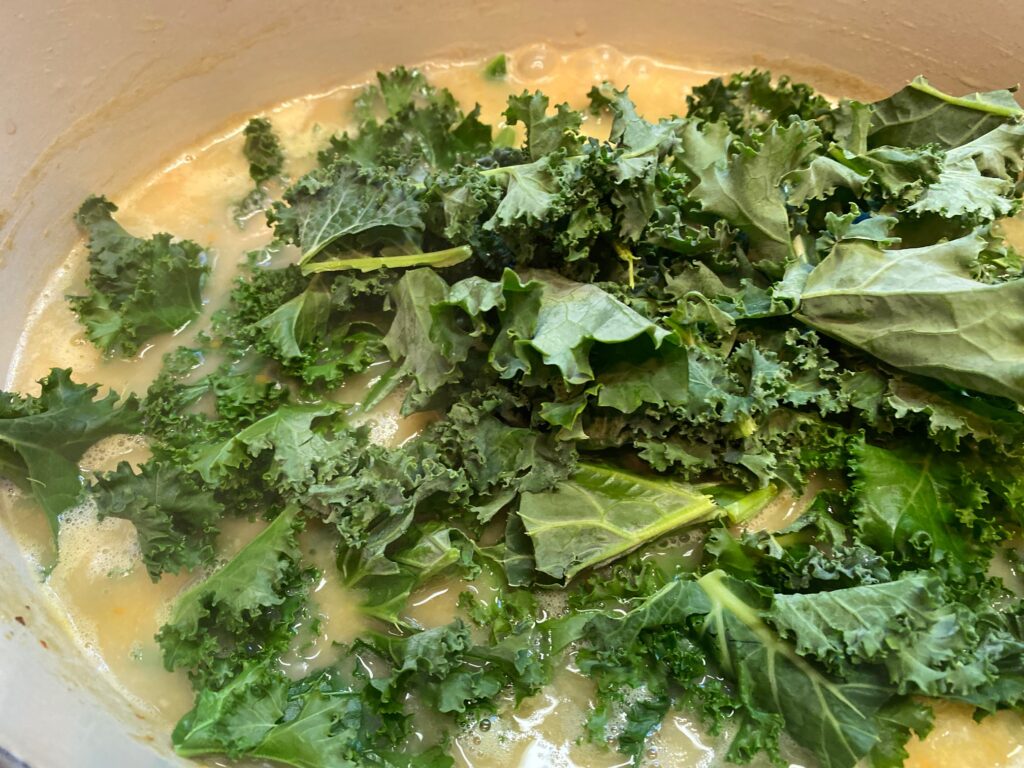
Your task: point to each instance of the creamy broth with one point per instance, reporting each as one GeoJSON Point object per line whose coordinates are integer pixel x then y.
{"type": "Point", "coordinates": [102, 590]}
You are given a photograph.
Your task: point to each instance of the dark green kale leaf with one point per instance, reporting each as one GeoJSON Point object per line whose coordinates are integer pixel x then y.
{"type": "Point", "coordinates": [774, 686]}
{"type": "Point", "coordinates": [749, 101]}
{"type": "Point", "coordinates": [318, 330]}
{"type": "Point", "coordinates": [187, 411]}
{"type": "Point", "coordinates": [814, 553]}
{"type": "Point", "coordinates": [545, 134]}
{"type": "Point", "coordinates": [43, 437]}
{"type": "Point", "coordinates": [896, 721]}
{"type": "Point", "coordinates": [324, 719]}
{"type": "Point", "coordinates": [262, 714]}
{"type": "Point", "coordinates": [920, 630]}
{"type": "Point", "coordinates": [387, 587]}
{"type": "Point", "coordinates": [349, 210]}
{"type": "Point", "coordinates": [543, 319]}
{"type": "Point", "coordinates": [921, 114]}
{"type": "Point", "coordinates": [745, 187]}
{"type": "Point", "coordinates": [256, 295]}
{"type": "Point", "coordinates": [408, 126]}
{"type": "Point", "coordinates": [496, 68]}
{"type": "Point", "coordinates": [301, 335]}
{"type": "Point", "coordinates": [263, 150]}
{"type": "Point", "coordinates": [372, 504]}
{"type": "Point", "coordinates": [409, 340]}
{"type": "Point", "coordinates": [137, 288]}
{"type": "Point", "coordinates": [301, 445]}
{"type": "Point", "coordinates": [174, 516]}
{"type": "Point", "coordinates": [244, 611]}
{"type": "Point", "coordinates": [499, 460]}
{"type": "Point", "coordinates": [917, 506]}
{"type": "Point", "coordinates": [452, 674]}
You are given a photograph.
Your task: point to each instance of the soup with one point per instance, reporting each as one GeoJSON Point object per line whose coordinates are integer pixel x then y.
{"type": "Point", "coordinates": [100, 583]}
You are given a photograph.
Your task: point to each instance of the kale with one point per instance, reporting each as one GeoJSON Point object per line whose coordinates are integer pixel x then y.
{"type": "Point", "coordinates": [622, 349]}
{"type": "Point", "coordinates": [174, 516]}
{"type": "Point", "coordinates": [137, 288]}
{"type": "Point", "coordinates": [42, 438]}
{"type": "Point", "coordinates": [243, 612]}
{"type": "Point", "coordinates": [262, 149]}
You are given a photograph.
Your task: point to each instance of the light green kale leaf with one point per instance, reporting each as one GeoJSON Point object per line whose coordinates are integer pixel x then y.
{"type": "Point", "coordinates": [919, 309]}
{"type": "Point", "coordinates": [601, 513]}
{"type": "Point", "coordinates": [746, 187]}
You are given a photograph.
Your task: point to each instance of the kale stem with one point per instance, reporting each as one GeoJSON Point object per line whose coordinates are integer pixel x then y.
{"type": "Point", "coordinates": [447, 257]}
{"type": "Point", "coordinates": [979, 106]}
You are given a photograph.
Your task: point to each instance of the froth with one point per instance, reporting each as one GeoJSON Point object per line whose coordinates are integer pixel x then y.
{"type": "Point", "coordinates": [82, 629]}
{"type": "Point", "coordinates": [552, 602]}
{"type": "Point", "coordinates": [383, 428]}
{"type": "Point", "coordinates": [104, 546]}
{"type": "Point", "coordinates": [499, 740]}
{"type": "Point", "coordinates": [110, 451]}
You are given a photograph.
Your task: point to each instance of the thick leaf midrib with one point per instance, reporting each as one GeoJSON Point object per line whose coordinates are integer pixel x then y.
{"type": "Point", "coordinates": [722, 595]}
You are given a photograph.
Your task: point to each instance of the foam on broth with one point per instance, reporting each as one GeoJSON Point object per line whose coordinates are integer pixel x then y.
{"type": "Point", "coordinates": [113, 609]}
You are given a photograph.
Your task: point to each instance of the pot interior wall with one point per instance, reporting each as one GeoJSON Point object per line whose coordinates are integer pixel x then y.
{"type": "Point", "coordinates": [93, 93]}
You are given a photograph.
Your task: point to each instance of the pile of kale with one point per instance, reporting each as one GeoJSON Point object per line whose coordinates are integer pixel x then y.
{"type": "Point", "coordinates": [617, 338]}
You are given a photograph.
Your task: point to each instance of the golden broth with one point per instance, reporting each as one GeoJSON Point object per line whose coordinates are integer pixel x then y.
{"type": "Point", "coordinates": [101, 588]}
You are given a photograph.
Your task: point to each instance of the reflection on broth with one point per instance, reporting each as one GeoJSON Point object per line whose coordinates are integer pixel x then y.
{"type": "Point", "coordinates": [114, 610]}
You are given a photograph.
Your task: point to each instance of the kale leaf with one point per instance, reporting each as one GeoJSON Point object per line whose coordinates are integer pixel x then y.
{"type": "Point", "coordinates": [174, 516]}
{"type": "Point", "coordinates": [43, 437]}
{"type": "Point", "coordinates": [137, 288]}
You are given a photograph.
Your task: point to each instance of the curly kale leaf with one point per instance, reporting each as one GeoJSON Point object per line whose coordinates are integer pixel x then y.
{"type": "Point", "coordinates": [244, 611]}
{"type": "Point", "coordinates": [773, 685]}
{"type": "Point", "coordinates": [749, 101]}
{"type": "Point", "coordinates": [263, 150]}
{"type": "Point", "coordinates": [323, 719]}
{"type": "Point", "coordinates": [43, 437]}
{"type": "Point", "coordinates": [407, 125]}
{"type": "Point", "coordinates": [137, 288]}
{"type": "Point", "coordinates": [301, 445]}
{"type": "Point", "coordinates": [930, 641]}
{"type": "Point", "coordinates": [175, 518]}
{"type": "Point", "coordinates": [348, 209]}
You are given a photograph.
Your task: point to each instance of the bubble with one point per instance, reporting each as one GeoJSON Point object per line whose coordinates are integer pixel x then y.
{"type": "Point", "coordinates": [10, 491]}
{"type": "Point", "coordinates": [553, 602]}
{"type": "Point", "coordinates": [534, 64]}
{"type": "Point", "coordinates": [494, 738]}
{"type": "Point", "coordinates": [383, 428]}
{"type": "Point", "coordinates": [108, 453]}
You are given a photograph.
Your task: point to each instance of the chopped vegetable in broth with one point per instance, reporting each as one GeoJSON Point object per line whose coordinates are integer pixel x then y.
{"type": "Point", "coordinates": [549, 409]}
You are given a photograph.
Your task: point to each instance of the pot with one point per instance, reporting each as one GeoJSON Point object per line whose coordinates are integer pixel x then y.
{"type": "Point", "coordinates": [93, 93]}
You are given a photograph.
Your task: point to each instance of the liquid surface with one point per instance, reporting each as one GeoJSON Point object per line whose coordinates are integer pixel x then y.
{"type": "Point", "coordinates": [100, 586]}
